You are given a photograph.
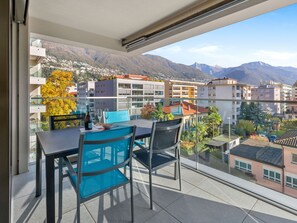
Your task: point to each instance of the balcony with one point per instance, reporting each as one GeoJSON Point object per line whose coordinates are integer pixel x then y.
{"type": "Point", "coordinates": [36, 106]}
{"type": "Point", "coordinates": [36, 77]}
{"type": "Point", "coordinates": [37, 52]}
{"type": "Point", "coordinates": [227, 153]}
{"type": "Point", "coordinates": [201, 200]}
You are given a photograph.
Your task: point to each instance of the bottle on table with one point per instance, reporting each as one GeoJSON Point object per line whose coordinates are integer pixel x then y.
{"type": "Point", "coordinates": [88, 121]}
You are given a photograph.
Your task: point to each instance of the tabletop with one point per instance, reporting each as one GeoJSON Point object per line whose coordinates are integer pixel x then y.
{"type": "Point", "coordinates": [66, 141]}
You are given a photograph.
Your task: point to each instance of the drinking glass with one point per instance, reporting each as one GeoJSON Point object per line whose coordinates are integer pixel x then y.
{"type": "Point", "coordinates": [99, 115]}
{"type": "Point", "coordinates": [106, 110]}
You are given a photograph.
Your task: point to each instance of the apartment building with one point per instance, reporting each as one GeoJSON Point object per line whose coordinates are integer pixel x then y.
{"type": "Point", "coordinates": [181, 89]}
{"type": "Point", "coordinates": [132, 92]}
{"type": "Point", "coordinates": [268, 92]}
{"type": "Point", "coordinates": [37, 53]}
{"type": "Point", "coordinates": [286, 93]}
{"type": "Point", "coordinates": [224, 88]}
{"type": "Point", "coordinates": [84, 90]}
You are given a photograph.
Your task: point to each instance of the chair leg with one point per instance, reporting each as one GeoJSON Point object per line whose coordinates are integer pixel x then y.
{"type": "Point", "coordinates": [179, 171]}
{"type": "Point", "coordinates": [132, 197]}
{"type": "Point", "coordinates": [60, 205]}
{"type": "Point", "coordinates": [77, 208]}
{"type": "Point", "coordinates": [179, 175]}
{"type": "Point", "coordinates": [151, 189]}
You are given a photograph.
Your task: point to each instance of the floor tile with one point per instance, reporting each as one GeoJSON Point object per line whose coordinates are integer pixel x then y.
{"type": "Point", "coordinates": [228, 194]}
{"type": "Point", "coordinates": [108, 209]}
{"type": "Point", "coordinates": [70, 217]}
{"type": "Point", "coordinates": [165, 188]}
{"type": "Point", "coordinates": [162, 217]}
{"type": "Point", "coordinates": [199, 206]}
{"type": "Point", "coordinates": [269, 213]}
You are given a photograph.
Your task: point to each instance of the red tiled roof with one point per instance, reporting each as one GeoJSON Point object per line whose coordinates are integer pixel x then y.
{"type": "Point", "coordinates": [187, 108]}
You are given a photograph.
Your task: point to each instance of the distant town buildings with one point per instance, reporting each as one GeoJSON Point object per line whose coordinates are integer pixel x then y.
{"type": "Point", "coordinates": [224, 88]}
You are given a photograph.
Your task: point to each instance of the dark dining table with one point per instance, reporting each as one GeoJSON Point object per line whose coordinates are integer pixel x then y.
{"type": "Point", "coordinates": [60, 143]}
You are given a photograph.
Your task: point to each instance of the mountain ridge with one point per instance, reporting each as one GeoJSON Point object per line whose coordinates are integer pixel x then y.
{"type": "Point", "coordinates": [253, 72]}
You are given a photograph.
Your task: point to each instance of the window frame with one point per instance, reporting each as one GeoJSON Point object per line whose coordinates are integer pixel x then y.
{"type": "Point", "coordinates": [272, 175]}
{"type": "Point", "coordinates": [247, 168]}
{"type": "Point", "coordinates": [291, 184]}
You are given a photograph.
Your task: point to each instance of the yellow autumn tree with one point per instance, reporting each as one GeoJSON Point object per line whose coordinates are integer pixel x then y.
{"type": "Point", "coordinates": [55, 95]}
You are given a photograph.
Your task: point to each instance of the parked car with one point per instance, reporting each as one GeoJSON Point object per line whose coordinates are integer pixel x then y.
{"type": "Point", "coordinates": [272, 138]}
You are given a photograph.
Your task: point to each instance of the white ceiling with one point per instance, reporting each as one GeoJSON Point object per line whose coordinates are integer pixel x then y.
{"type": "Point", "coordinates": [111, 18]}
{"type": "Point", "coordinates": [103, 23]}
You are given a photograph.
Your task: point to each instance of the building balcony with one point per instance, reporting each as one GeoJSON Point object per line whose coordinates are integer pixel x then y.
{"type": "Point", "coordinates": [37, 52]}
{"type": "Point", "coordinates": [37, 80]}
{"type": "Point", "coordinates": [202, 199]}
{"type": "Point", "coordinates": [37, 108]}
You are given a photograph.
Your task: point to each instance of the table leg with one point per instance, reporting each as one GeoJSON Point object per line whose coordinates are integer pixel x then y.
{"type": "Point", "coordinates": [50, 189]}
{"type": "Point", "coordinates": [38, 169]}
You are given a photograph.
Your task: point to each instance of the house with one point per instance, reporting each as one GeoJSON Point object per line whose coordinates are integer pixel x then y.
{"type": "Point", "coordinates": [260, 159]}
{"type": "Point", "coordinates": [288, 141]}
{"type": "Point", "coordinates": [189, 111]}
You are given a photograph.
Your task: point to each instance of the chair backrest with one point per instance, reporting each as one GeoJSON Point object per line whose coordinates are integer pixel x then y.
{"type": "Point", "coordinates": [66, 121]}
{"type": "Point", "coordinates": [105, 151]}
{"type": "Point", "coordinates": [165, 135]}
{"type": "Point", "coordinates": [116, 116]}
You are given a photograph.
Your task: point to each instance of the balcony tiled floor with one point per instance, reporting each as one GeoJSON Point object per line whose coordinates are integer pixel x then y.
{"type": "Point", "coordinates": [201, 200]}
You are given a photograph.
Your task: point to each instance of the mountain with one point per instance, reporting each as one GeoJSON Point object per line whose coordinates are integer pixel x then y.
{"type": "Point", "coordinates": [207, 69]}
{"type": "Point", "coordinates": [254, 72]}
{"type": "Point", "coordinates": [149, 65]}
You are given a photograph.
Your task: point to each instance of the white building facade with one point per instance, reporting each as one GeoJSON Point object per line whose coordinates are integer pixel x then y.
{"type": "Point", "coordinates": [130, 94]}
{"type": "Point", "coordinates": [224, 88]}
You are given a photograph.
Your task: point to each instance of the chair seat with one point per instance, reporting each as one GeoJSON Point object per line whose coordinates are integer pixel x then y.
{"type": "Point", "coordinates": [158, 160]}
{"type": "Point", "coordinates": [91, 185]}
{"type": "Point", "coordinates": [138, 142]}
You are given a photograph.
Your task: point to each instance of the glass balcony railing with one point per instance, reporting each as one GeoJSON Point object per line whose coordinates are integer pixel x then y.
{"type": "Point", "coordinates": [233, 140]}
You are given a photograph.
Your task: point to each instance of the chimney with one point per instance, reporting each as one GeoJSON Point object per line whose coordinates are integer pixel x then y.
{"type": "Point", "coordinates": [189, 107]}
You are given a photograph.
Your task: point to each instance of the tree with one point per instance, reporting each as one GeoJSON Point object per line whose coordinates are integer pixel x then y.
{"type": "Point", "coordinates": [213, 121]}
{"type": "Point", "coordinates": [245, 128]}
{"type": "Point", "coordinates": [55, 95]}
{"type": "Point", "coordinates": [252, 112]}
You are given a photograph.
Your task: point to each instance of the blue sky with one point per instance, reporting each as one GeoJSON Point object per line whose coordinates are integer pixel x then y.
{"type": "Point", "coordinates": [271, 38]}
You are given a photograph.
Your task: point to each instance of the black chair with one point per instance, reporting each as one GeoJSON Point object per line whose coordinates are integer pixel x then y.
{"type": "Point", "coordinates": [58, 122]}
{"type": "Point", "coordinates": [165, 138]}
{"type": "Point", "coordinates": [66, 121]}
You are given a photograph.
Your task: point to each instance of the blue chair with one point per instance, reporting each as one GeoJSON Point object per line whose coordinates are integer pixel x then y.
{"type": "Point", "coordinates": [110, 117]}
{"type": "Point", "coordinates": [95, 176]}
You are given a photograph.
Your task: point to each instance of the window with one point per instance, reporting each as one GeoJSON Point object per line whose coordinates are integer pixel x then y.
{"type": "Point", "coordinates": [159, 93]}
{"type": "Point", "coordinates": [243, 166]}
{"type": "Point", "coordinates": [272, 175]}
{"type": "Point", "coordinates": [124, 86]}
{"type": "Point", "coordinates": [291, 182]}
{"type": "Point", "coordinates": [137, 86]}
{"type": "Point", "coordinates": [294, 158]}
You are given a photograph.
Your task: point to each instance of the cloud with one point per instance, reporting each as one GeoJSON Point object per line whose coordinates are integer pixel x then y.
{"type": "Point", "coordinates": [275, 55]}
{"type": "Point", "coordinates": [204, 50]}
{"type": "Point", "coordinates": [174, 49]}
